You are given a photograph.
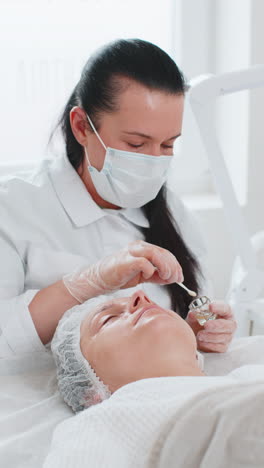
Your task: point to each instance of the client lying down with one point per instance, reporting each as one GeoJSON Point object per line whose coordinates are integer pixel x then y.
{"type": "Point", "coordinates": [117, 342]}
{"type": "Point", "coordinates": [156, 407]}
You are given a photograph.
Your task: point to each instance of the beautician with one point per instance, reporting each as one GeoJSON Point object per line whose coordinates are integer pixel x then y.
{"type": "Point", "coordinates": [100, 218]}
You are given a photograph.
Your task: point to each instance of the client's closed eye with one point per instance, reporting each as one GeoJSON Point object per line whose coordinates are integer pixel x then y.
{"type": "Point", "coordinates": [104, 315]}
{"type": "Point", "coordinates": [109, 318]}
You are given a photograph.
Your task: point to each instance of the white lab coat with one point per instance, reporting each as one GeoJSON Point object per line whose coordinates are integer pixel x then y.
{"type": "Point", "coordinates": [49, 226]}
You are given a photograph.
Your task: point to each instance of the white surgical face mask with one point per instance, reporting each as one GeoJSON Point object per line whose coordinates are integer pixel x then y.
{"type": "Point", "coordinates": [128, 179]}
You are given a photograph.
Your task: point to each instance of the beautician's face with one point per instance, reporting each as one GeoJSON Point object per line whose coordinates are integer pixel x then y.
{"type": "Point", "coordinates": [131, 338]}
{"type": "Point", "coordinates": [146, 121]}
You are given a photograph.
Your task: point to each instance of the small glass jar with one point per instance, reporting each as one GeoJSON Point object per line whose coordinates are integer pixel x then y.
{"type": "Point", "coordinates": [201, 305]}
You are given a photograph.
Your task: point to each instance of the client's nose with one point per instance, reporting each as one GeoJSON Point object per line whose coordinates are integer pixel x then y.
{"type": "Point", "coordinates": [138, 299]}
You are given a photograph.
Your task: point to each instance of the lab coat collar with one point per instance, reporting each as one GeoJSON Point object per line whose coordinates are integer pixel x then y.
{"type": "Point", "coordinates": [73, 194]}
{"type": "Point", "coordinates": [70, 188]}
{"type": "Point", "coordinates": [136, 216]}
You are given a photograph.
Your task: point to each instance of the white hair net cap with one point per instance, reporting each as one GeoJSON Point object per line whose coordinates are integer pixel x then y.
{"type": "Point", "coordinates": [78, 383]}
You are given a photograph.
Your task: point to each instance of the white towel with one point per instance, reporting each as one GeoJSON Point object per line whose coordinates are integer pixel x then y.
{"type": "Point", "coordinates": [169, 422]}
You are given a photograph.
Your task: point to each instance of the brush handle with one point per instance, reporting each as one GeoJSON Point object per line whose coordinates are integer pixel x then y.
{"type": "Point", "coordinates": [191, 293]}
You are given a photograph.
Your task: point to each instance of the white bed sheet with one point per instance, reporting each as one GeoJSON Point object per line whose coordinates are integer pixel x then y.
{"type": "Point", "coordinates": [30, 406]}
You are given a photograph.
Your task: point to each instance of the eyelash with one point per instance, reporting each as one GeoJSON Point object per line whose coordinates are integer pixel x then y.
{"type": "Point", "coordinates": [108, 318]}
{"type": "Point", "coordinates": [138, 146]}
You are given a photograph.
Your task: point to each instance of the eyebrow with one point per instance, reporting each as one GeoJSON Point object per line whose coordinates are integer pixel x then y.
{"type": "Point", "coordinates": [149, 137]}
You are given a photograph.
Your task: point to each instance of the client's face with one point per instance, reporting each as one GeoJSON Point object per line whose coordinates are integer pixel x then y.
{"type": "Point", "coordinates": [132, 338]}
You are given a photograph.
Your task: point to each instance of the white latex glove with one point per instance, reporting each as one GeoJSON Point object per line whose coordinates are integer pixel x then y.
{"type": "Point", "coordinates": [139, 262]}
{"type": "Point", "coordinates": [216, 335]}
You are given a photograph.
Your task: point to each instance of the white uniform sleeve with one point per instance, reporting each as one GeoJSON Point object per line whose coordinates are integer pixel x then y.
{"type": "Point", "coordinates": [17, 331]}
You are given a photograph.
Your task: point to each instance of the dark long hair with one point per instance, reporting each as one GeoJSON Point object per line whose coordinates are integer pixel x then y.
{"type": "Point", "coordinates": [97, 92]}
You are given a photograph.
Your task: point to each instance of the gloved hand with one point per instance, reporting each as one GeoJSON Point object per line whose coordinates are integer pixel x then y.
{"type": "Point", "coordinates": [139, 262]}
{"type": "Point", "coordinates": [216, 335]}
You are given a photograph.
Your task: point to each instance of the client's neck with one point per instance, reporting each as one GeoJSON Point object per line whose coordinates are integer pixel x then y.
{"type": "Point", "coordinates": [167, 368]}
{"type": "Point", "coordinates": [185, 366]}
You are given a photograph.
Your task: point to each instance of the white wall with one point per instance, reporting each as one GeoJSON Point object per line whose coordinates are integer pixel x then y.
{"type": "Point", "coordinates": [230, 56]}
{"type": "Point", "coordinates": [44, 45]}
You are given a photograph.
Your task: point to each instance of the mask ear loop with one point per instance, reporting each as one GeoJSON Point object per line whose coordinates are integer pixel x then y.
{"type": "Point", "coordinates": [95, 131]}
{"type": "Point", "coordinates": [98, 136]}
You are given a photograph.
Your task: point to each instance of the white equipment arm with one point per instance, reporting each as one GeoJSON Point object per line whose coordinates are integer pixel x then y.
{"type": "Point", "coordinates": [204, 90]}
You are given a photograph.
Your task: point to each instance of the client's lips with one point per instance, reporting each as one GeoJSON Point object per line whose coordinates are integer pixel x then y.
{"type": "Point", "coordinates": [152, 306]}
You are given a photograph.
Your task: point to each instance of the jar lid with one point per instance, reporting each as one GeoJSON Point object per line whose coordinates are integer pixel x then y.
{"type": "Point", "coordinates": [199, 302]}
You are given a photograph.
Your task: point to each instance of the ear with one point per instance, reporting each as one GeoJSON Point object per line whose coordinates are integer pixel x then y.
{"type": "Point", "coordinates": [79, 125]}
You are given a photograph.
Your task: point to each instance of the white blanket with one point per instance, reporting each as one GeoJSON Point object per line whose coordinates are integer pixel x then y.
{"type": "Point", "coordinates": [171, 422]}
{"type": "Point", "coordinates": [31, 408]}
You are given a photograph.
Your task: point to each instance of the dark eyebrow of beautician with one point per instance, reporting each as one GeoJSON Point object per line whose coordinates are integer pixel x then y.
{"type": "Point", "coordinates": [148, 136]}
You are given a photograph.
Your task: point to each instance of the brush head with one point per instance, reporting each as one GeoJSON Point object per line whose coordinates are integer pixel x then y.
{"type": "Point", "coordinates": [192, 293]}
